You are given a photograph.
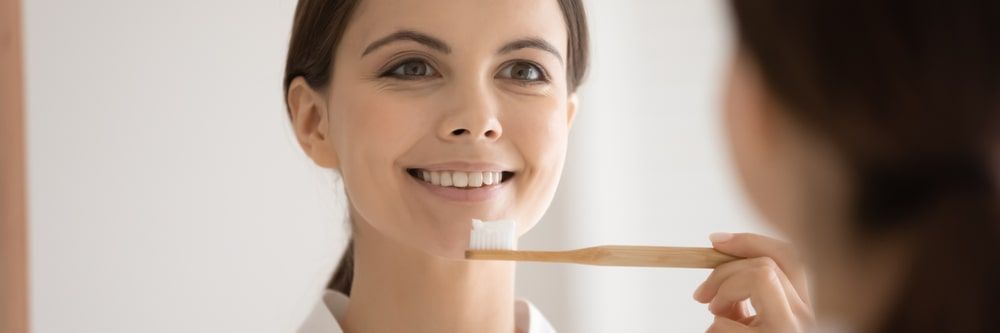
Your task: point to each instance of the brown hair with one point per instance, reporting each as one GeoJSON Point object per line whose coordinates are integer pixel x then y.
{"type": "Point", "coordinates": [317, 29]}
{"type": "Point", "coordinates": [908, 92]}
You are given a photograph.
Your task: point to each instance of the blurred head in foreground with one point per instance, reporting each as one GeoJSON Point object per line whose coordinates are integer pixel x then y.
{"type": "Point", "coordinates": [867, 131]}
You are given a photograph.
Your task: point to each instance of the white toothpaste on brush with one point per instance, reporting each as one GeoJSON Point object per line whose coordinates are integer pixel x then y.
{"type": "Point", "coordinates": [493, 235]}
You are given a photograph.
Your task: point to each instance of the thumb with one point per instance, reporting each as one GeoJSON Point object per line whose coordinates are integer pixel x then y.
{"type": "Point", "coordinates": [749, 245]}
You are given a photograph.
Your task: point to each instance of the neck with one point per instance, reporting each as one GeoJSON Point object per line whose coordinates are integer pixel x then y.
{"type": "Point", "coordinates": [401, 289]}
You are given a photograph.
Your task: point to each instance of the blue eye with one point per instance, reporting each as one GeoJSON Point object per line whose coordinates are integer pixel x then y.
{"type": "Point", "coordinates": [412, 69]}
{"type": "Point", "coordinates": [522, 71]}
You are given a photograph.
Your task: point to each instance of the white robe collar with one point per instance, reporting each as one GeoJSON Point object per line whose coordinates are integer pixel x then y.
{"type": "Point", "coordinates": [333, 306]}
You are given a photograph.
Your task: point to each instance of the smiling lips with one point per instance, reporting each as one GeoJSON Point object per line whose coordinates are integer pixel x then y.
{"type": "Point", "coordinates": [461, 179]}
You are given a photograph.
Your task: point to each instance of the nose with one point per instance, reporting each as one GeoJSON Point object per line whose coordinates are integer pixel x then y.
{"type": "Point", "coordinates": [488, 134]}
{"type": "Point", "coordinates": [473, 119]}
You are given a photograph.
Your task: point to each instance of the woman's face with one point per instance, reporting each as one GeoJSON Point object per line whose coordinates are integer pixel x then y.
{"type": "Point", "coordinates": [440, 112]}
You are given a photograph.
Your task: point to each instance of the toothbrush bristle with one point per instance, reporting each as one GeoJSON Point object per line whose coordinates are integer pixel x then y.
{"type": "Point", "coordinates": [493, 235]}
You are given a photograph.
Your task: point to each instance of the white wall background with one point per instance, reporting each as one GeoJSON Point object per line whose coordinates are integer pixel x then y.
{"type": "Point", "coordinates": [167, 195]}
{"type": "Point", "coordinates": [166, 192]}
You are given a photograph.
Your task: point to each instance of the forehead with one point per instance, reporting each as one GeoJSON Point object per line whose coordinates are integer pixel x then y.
{"type": "Point", "coordinates": [466, 25]}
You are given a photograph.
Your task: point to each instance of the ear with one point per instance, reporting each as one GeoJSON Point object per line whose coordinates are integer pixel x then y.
{"type": "Point", "coordinates": [310, 121]}
{"type": "Point", "coordinates": [571, 106]}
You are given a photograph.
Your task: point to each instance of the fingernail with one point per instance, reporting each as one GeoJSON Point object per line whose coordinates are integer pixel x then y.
{"type": "Point", "coordinates": [719, 237]}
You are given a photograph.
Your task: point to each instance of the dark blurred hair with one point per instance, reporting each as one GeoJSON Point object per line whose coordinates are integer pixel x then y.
{"type": "Point", "coordinates": [908, 92]}
{"type": "Point", "coordinates": [317, 30]}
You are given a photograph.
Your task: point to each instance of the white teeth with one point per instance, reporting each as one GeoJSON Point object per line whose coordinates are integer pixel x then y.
{"type": "Point", "coordinates": [445, 179]}
{"type": "Point", "coordinates": [460, 178]}
{"type": "Point", "coordinates": [475, 179]}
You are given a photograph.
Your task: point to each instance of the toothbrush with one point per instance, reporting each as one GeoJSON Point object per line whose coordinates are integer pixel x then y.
{"type": "Point", "coordinates": [497, 240]}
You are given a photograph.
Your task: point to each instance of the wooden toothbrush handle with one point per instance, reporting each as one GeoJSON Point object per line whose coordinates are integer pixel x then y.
{"type": "Point", "coordinates": [653, 256]}
{"type": "Point", "coordinates": [617, 255]}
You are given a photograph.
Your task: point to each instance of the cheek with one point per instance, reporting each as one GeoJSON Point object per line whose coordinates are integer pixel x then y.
{"type": "Point", "coordinates": [540, 129]}
{"type": "Point", "coordinates": [542, 140]}
{"type": "Point", "coordinates": [746, 148]}
{"type": "Point", "coordinates": [739, 115]}
{"type": "Point", "coordinates": [372, 132]}
{"type": "Point", "coordinates": [540, 134]}
{"type": "Point", "coordinates": [757, 159]}
{"type": "Point", "coordinates": [370, 135]}
{"type": "Point", "coordinates": [735, 133]}
{"type": "Point", "coordinates": [737, 138]}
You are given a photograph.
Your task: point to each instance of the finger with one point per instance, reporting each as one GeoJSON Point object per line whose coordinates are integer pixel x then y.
{"type": "Point", "coordinates": [726, 325]}
{"type": "Point", "coordinates": [707, 290]}
{"type": "Point", "coordinates": [749, 245]}
{"type": "Point", "coordinates": [738, 312]}
{"type": "Point", "coordinates": [764, 289]}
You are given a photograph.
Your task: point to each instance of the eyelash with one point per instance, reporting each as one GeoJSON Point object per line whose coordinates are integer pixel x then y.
{"type": "Point", "coordinates": [390, 72]}
{"type": "Point", "coordinates": [543, 76]}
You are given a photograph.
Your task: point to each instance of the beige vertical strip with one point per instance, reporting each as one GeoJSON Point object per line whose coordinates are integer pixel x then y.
{"type": "Point", "coordinates": [13, 217]}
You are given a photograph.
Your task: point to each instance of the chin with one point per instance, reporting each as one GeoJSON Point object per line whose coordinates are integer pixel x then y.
{"type": "Point", "coordinates": [446, 247]}
{"type": "Point", "coordinates": [449, 242]}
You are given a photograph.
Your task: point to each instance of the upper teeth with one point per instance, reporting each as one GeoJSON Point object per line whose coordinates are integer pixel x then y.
{"type": "Point", "coordinates": [461, 178]}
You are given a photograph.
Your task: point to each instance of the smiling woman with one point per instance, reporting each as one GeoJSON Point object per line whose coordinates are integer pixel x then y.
{"type": "Point", "coordinates": [434, 113]}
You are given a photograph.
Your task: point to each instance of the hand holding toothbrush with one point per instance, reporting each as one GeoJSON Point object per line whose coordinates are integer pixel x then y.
{"type": "Point", "coordinates": [751, 267]}
{"type": "Point", "coordinates": [770, 277]}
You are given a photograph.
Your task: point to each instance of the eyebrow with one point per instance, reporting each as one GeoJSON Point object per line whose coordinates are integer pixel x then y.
{"type": "Point", "coordinates": [441, 46]}
{"type": "Point", "coordinates": [408, 35]}
{"type": "Point", "coordinates": [534, 43]}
